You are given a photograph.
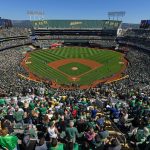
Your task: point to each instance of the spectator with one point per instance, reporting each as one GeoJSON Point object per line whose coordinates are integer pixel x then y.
{"type": "Point", "coordinates": [71, 132]}
{"type": "Point", "coordinates": [55, 145]}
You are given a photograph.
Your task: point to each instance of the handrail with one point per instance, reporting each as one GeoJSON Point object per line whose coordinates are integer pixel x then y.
{"type": "Point", "coordinates": [99, 104]}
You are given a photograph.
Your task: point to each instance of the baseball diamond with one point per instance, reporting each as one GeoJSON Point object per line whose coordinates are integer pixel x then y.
{"type": "Point", "coordinates": [80, 65]}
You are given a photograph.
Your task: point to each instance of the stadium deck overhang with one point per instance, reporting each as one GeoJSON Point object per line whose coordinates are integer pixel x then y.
{"type": "Point", "coordinates": [76, 32]}
{"type": "Point", "coordinates": [76, 24]}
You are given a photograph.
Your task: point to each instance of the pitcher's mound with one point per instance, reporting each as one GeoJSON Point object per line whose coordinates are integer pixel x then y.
{"type": "Point", "coordinates": [74, 68]}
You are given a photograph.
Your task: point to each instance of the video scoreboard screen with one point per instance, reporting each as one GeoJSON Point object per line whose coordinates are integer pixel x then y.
{"type": "Point", "coordinates": [145, 24]}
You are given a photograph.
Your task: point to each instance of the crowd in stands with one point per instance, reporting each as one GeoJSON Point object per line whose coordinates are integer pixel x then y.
{"type": "Point", "coordinates": [34, 116]}
{"type": "Point", "coordinates": [138, 42]}
{"type": "Point", "coordinates": [49, 119]}
{"type": "Point", "coordinates": [14, 43]}
{"type": "Point", "coordinates": [47, 40]}
{"type": "Point", "coordinates": [75, 37]}
{"type": "Point", "coordinates": [140, 33]}
{"type": "Point", "coordinates": [10, 67]}
{"type": "Point", "coordinates": [142, 76]}
{"type": "Point", "coordinates": [46, 43]}
{"type": "Point", "coordinates": [44, 118]}
{"type": "Point", "coordinates": [13, 37]}
{"type": "Point", "coordinates": [37, 117]}
{"type": "Point", "coordinates": [13, 32]}
{"type": "Point", "coordinates": [135, 37]}
{"type": "Point", "coordinates": [104, 43]}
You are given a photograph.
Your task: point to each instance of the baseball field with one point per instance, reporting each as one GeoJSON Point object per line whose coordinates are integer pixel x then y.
{"type": "Point", "coordinates": [80, 65]}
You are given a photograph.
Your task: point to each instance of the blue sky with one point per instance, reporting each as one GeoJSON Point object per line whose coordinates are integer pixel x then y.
{"type": "Point", "coordinates": [136, 10]}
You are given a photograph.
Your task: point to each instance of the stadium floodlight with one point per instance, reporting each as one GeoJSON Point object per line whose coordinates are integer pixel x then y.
{"type": "Point", "coordinates": [33, 15]}
{"type": "Point", "coordinates": [116, 15]}
{"type": "Point", "coordinates": [38, 14]}
{"type": "Point", "coordinates": [30, 14]}
{"type": "Point", "coordinates": [42, 15]}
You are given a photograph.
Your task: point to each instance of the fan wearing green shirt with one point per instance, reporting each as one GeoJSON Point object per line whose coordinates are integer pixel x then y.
{"type": "Point", "coordinates": [72, 132]}
{"type": "Point", "coordinates": [2, 102]}
{"type": "Point", "coordinates": [55, 145]}
{"type": "Point", "coordinates": [72, 146]}
{"type": "Point", "coordinates": [31, 105]}
{"type": "Point", "coordinates": [132, 103]}
{"type": "Point", "coordinates": [18, 115]}
{"type": "Point", "coordinates": [43, 109]}
{"type": "Point", "coordinates": [7, 141]}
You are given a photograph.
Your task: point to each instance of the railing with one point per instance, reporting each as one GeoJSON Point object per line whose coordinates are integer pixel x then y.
{"type": "Point", "coordinates": [121, 136]}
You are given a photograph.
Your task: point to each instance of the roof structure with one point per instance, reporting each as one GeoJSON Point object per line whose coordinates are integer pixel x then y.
{"type": "Point", "coordinates": [76, 24]}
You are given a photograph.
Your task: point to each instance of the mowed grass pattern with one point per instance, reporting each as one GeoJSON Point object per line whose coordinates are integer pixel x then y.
{"type": "Point", "coordinates": [109, 60]}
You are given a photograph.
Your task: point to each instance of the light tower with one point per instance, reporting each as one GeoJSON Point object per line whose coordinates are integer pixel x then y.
{"type": "Point", "coordinates": [115, 15]}
{"type": "Point", "coordinates": [35, 15]}
{"type": "Point", "coordinates": [30, 14]}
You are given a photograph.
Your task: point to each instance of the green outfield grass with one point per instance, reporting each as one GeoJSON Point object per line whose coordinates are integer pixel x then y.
{"type": "Point", "coordinates": [109, 60]}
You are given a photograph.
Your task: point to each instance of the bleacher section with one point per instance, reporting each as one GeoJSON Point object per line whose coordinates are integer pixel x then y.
{"type": "Point", "coordinates": [13, 37]}
{"type": "Point", "coordinates": [135, 37]}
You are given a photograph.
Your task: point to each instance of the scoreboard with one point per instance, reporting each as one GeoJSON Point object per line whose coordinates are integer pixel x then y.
{"type": "Point", "coordinates": [145, 24]}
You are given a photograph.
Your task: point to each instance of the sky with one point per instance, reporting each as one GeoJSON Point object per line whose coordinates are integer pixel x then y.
{"type": "Point", "coordinates": [136, 10]}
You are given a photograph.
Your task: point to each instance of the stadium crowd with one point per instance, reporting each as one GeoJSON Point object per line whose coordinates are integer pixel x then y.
{"type": "Point", "coordinates": [104, 43]}
{"type": "Point", "coordinates": [44, 118]}
{"type": "Point", "coordinates": [135, 37]}
{"type": "Point", "coordinates": [10, 68]}
{"type": "Point", "coordinates": [139, 33]}
{"type": "Point", "coordinates": [46, 43]}
{"type": "Point", "coordinates": [73, 37]}
{"type": "Point", "coordinates": [14, 43]}
{"type": "Point", "coordinates": [35, 116]}
{"type": "Point", "coordinates": [13, 32]}
{"type": "Point", "coordinates": [139, 42]}
{"type": "Point", "coordinates": [13, 37]}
